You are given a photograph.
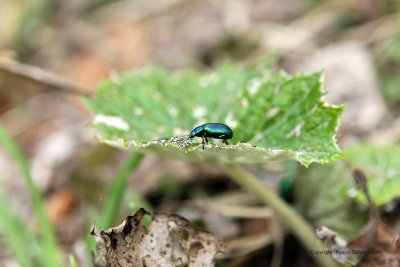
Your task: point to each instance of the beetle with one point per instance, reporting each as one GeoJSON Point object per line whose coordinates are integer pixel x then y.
{"type": "Point", "coordinates": [212, 130]}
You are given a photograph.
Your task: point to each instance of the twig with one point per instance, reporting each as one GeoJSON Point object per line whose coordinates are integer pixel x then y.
{"type": "Point", "coordinates": [244, 245]}
{"type": "Point", "coordinates": [129, 12]}
{"type": "Point", "coordinates": [289, 216]}
{"type": "Point", "coordinates": [375, 31]}
{"type": "Point", "coordinates": [361, 180]}
{"type": "Point", "coordinates": [43, 77]}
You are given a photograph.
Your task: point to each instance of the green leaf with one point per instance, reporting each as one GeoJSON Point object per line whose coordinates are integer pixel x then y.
{"type": "Point", "coordinates": [277, 117]}
{"type": "Point", "coordinates": [382, 166]}
{"type": "Point", "coordinates": [324, 194]}
{"type": "Point", "coordinates": [328, 196]}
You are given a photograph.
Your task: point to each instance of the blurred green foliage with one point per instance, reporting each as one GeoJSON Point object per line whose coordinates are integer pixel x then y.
{"type": "Point", "coordinates": [323, 194]}
{"type": "Point", "coordinates": [382, 167]}
{"type": "Point", "coordinates": [388, 67]}
{"type": "Point", "coordinates": [27, 247]}
{"type": "Point", "coordinates": [328, 195]}
{"type": "Point", "coordinates": [31, 248]}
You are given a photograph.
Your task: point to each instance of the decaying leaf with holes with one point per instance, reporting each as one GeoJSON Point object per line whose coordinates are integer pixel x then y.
{"type": "Point", "coordinates": [376, 245]}
{"type": "Point", "coordinates": [169, 240]}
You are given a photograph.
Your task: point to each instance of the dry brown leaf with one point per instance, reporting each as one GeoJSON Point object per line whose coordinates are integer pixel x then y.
{"type": "Point", "coordinates": [378, 245]}
{"type": "Point", "coordinates": [169, 240]}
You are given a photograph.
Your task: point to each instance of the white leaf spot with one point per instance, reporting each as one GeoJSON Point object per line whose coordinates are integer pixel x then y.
{"type": "Point", "coordinates": [199, 112]}
{"type": "Point", "coordinates": [352, 192]}
{"type": "Point", "coordinates": [173, 111]}
{"type": "Point", "coordinates": [245, 103]}
{"type": "Point", "coordinates": [230, 120]}
{"type": "Point", "coordinates": [138, 111]}
{"type": "Point", "coordinates": [111, 121]}
{"type": "Point", "coordinates": [272, 112]}
{"type": "Point", "coordinates": [296, 132]}
{"type": "Point", "coordinates": [254, 86]}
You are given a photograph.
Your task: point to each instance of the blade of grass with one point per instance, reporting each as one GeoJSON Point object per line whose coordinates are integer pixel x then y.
{"type": "Point", "coordinates": [117, 191]}
{"type": "Point", "coordinates": [50, 251]}
{"type": "Point", "coordinates": [17, 237]}
{"type": "Point", "coordinates": [72, 262]}
{"type": "Point", "coordinates": [289, 216]}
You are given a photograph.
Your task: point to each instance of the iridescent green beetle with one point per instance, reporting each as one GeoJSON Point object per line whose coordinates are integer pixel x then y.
{"type": "Point", "coordinates": [212, 130]}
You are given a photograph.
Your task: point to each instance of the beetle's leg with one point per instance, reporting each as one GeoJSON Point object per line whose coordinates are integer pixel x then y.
{"type": "Point", "coordinates": [226, 142]}
{"type": "Point", "coordinates": [205, 137]}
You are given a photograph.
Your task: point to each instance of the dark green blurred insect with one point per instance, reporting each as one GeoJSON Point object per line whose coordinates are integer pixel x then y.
{"type": "Point", "coordinates": [212, 130]}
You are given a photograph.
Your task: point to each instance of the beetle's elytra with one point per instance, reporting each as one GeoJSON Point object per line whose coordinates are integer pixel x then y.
{"type": "Point", "coordinates": [212, 130]}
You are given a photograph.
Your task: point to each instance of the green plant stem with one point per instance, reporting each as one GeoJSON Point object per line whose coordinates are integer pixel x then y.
{"type": "Point", "coordinates": [51, 255]}
{"type": "Point", "coordinates": [15, 234]}
{"type": "Point", "coordinates": [117, 191]}
{"type": "Point", "coordinates": [289, 216]}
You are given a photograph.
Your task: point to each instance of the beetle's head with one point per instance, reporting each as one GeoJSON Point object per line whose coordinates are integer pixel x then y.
{"type": "Point", "coordinates": [196, 131]}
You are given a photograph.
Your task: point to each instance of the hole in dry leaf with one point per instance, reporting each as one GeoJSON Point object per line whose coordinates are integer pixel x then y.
{"type": "Point", "coordinates": [194, 248]}
{"type": "Point", "coordinates": [127, 228]}
{"type": "Point", "coordinates": [146, 220]}
{"type": "Point", "coordinates": [114, 243]}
